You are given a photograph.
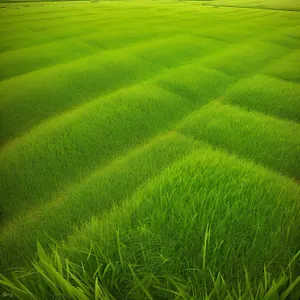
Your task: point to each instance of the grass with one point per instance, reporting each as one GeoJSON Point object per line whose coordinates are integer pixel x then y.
{"type": "Point", "coordinates": [90, 143]}
{"type": "Point", "coordinates": [282, 96]}
{"type": "Point", "coordinates": [289, 5]}
{"type": "Point", "coordinates": [16, 108]}
{"type": "Point", "coordinates": [150, 150]}
{"type": "Point", "coordinates": [240, 61]}
{"type": "Point", "coordinates": [267, 140]}
{"type": "Point", "coordinates": [116, 181]}
{"type": "Point", "coordinates": [157, 235]}
{"type": "Point", "coordinates": [286, 68]}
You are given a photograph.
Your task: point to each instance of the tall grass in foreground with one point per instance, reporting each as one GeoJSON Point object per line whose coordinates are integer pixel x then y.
{"type": "Point", "coordinates": [53, 275]}
{"type": "Point", "coordinates": [211, 226]}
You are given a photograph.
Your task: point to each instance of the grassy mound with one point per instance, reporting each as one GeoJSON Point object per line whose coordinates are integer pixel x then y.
{"type": "Point", "coordinates": [269, 141]}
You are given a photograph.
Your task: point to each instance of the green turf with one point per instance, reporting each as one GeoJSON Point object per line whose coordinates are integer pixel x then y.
{"type": "Point", "coordinates": [246, 59]}
{"type": "Point", "coordinates": [272, 142]}
{"type": "Point", "coordinates": [23, 97]}
{"type": "Point", "coordinates": [68, 147]}
{"type": "Point", "coordinates": [101, 190]}
{"type": "Point", "coordinates": [292, 5]}
{"type": "Point", "coordinates": [226, 207]}
{"type": "Point", "coordinates": [268, 95]}
{"type": "Point", "coordinates": [150, 150]}
{"type": "Point", "coordinates": [286, 68]}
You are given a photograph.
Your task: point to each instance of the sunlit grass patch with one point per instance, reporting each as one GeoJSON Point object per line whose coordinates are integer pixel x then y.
{"type": "Point", "coordinates": [261, 4]}
{"type": "Point", "coordinates": [31, 98]}
{"type": "Point", "coordinates": [284, 40]}
{"type": "Point", "coordinates": [175, 51]}
{"type": "Point", "coordinates": [270, 141]}
{"type": "Point", "coordinates": [66, 148]}
{"type": "Point", "coordinates": [234, 34]}
{"type": "Point", "coordinates": [120, 38]}
{"type": "Point", "coordinates": [101, 190]}
{"type": "Point", "coordinates": [286, 68]}
{"type": "Point", "coordinates": [268, 95]}
{"type": "Point", "coordinates": [20, 61]}
{"type": "Point", "coordinates": [246, 58]}
{"type": "Point", "coordinates": [188, 226]}
{"type": "Point", "coordinates": [195, 83]}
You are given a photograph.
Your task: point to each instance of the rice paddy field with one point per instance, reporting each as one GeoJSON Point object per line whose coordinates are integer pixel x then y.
{"type": "Point", "coordinates": [150, 150]}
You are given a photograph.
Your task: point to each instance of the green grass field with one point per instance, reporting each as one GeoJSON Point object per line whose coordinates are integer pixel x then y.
{"type": "Point", "coordinates": [150, 150]}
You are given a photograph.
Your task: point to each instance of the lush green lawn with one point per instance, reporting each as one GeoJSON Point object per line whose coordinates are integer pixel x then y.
{"type": "Point", "coordinates": [152, 149]}
{"type": "Point", "coordinates": [293, 5]}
